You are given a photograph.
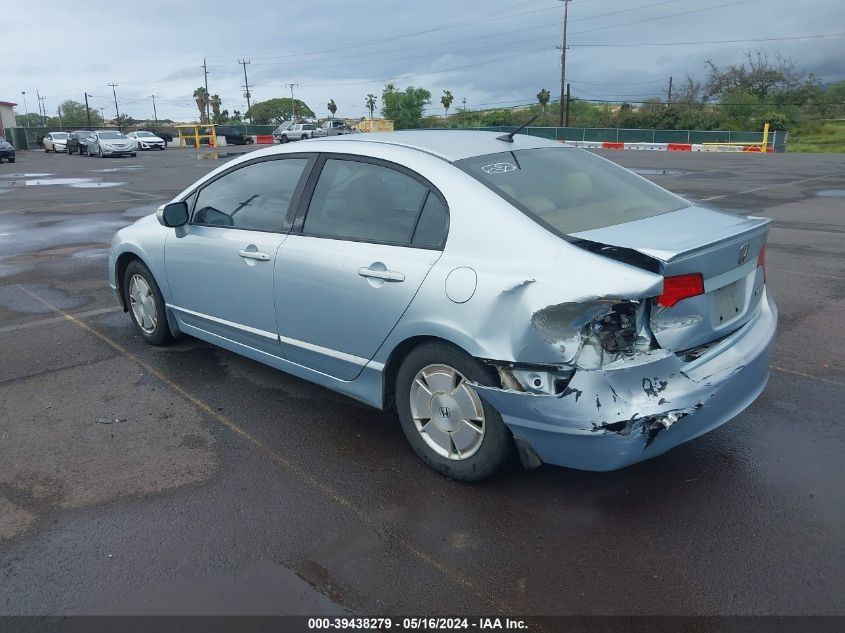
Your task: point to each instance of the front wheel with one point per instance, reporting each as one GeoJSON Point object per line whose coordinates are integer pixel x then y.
{"type": "Point", "coordinates": [11, 160]}
{"type": "Point", "coordinates": [133, 154]}
{"type": "Point", "coordinates": [146, 305]}
{"type": "Point", "coordinates": [444, 419]}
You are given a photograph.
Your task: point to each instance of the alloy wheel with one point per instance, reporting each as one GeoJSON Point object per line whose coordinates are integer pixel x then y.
{"type": "Point", "coordinates": [143, 304]}
{"type": "Point", "coordinates": [447, 412]}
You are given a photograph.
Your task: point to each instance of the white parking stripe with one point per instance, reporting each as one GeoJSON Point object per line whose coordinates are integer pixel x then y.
{"type": "Point", "coordinates": [52, 320]}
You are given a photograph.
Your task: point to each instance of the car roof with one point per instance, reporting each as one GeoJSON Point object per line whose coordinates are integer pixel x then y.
{"type": "Point", "coordinates": [450, 145]}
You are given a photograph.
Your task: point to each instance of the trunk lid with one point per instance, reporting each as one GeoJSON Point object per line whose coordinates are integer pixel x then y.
{"type": "Point", "coordinates": [721, 246]}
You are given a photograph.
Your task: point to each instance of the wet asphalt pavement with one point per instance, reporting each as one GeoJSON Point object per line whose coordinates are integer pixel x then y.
{"type": "Point", "coordinates": [187, 479]}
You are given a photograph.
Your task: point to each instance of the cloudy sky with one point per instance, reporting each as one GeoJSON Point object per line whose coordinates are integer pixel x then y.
{"type": "Point", "coordinates": [491, 53]}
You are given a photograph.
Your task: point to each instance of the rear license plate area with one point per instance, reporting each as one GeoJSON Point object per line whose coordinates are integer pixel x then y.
{"type": "Point", "coordinates": [728, 302]}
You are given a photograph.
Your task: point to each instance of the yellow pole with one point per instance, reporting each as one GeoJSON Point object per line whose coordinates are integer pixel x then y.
{"type": "Point", "coordinates": [197, 136]}
{"type": "Point", "coordinates": [765, 137]}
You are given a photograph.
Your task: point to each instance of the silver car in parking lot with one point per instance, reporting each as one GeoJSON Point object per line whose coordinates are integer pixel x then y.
{"type": "Point", "coordinates": [496, 292]}
{"type": "Point", "coordinates": [110, 143]}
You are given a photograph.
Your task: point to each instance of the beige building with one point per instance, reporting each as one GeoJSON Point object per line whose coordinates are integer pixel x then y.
{"type": "Point", "coordinates": [7, 117]}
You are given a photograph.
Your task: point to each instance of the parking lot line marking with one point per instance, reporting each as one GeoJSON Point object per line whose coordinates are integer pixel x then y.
{"type": "Point", "coordinates": [772, 186]}
{"type": "Point", "coordinates": [58, 319]}
{"type": "Point", "coordinates": [294, 468]}
{"type": "Point", "coordinates": [805, 375]}
{"type": "Point", "coordinates": [139, 193]}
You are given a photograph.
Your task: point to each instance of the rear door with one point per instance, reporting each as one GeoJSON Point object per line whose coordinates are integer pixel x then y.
{"type": "Point", "coordinates": [359, 251]}
{"type": "Point", "coordinates": [220, 266]}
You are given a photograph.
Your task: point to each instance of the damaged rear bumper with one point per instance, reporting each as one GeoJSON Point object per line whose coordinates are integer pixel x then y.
{"type": "Point", "coordinates": [638, 408]}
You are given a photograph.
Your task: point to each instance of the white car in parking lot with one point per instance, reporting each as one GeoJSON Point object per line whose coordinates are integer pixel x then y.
{"type": "Point", "coordinates": [55, 142]}
{"type": "Point", "coordinates": [146, 140]}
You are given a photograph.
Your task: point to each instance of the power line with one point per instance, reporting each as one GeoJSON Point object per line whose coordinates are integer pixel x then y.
{"type": "Point", "coordinates": [739, 41]}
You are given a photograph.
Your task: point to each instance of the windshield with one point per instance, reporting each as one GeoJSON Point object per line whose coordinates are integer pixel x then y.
{"type": "Point", "coordinates": [81, 133]}
{"type": "Point", "coordinates": [570, 190]}
{"type": "Point", "coordinates": [143, 134]}
{"type": "Point", "coordinates": [59, 135]}
{"type": "Point", "coordinates": [111, 135]}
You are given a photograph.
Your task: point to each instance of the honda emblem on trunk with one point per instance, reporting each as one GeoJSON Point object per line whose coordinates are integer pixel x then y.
{"type": "Point", "coordinates": [444, 411]}
{"type": "Point", "coordinates": [743, 254]}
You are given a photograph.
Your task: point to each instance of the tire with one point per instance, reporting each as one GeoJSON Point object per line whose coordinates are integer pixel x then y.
{"type": "Point", "coordinates": [100, 152]}
{"type": "Point", "coordinates": [11, 160]}
{"type": "Point", "coordinates": [486, 450]}
{"type": "Point", "coordinates": [284, 139]}
{"type": "Point", "coordinates": [147, 296]}
{"type": "Point", "coordinates": [304, 136]}
{"type": "Point", "coordinates": [133, 154]}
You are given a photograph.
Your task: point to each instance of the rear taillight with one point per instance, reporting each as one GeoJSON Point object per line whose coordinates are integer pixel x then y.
{"type": "Point", "coordinates": [680, 287]}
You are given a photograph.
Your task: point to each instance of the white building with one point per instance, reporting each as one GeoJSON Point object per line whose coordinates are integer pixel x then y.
{"type": "Point", "coordinates": [7, 117]}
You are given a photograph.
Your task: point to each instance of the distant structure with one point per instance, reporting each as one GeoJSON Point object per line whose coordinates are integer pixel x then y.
{"type": "Point", "coordinates": [7, 117]}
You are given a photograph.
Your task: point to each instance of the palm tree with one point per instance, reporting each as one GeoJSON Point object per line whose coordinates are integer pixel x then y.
{"type": "Point", "coordinates": [201, 97]}
{"type": "Point", "coordinates": [332, 106]}
{"type": "Point", "coordinates": [215, 102]}
{"type": "Point", "coordinates": [446, 100]}
{"type": "Point", "coordinates": [371, 103]}
{"type": "Point", "coordinates": [543, 97]}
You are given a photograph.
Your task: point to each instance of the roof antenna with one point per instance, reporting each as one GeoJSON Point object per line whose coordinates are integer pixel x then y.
{"type": "Point", "coordinates": [508, 138]}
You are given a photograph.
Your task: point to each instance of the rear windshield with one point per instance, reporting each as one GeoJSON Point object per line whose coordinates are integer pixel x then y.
{"type": "Point", "coordinates": [570, 190]}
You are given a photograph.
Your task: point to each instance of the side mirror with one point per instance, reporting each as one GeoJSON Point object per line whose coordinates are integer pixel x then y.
{"type": "Point", "coordinates": [173, 214]}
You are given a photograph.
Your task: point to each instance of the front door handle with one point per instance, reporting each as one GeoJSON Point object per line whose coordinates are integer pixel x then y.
{"type": "Point", "coordinates": [386, 275]}
{"type": "Point", "coordinates": [262, 257]}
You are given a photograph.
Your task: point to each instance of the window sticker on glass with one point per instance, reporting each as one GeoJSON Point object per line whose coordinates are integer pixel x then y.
{"type": "Point", "coordinates": [498, 168]}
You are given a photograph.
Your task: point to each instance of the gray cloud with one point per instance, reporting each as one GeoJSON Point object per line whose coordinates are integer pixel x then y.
{"type": "Point", "coordinates": [340, 51]}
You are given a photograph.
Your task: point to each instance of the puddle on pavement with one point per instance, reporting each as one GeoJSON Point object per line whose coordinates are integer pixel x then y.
{"type": "Point", "coordinates": [660, 172]}
{"type": "Point", "coordinates": [79, 183]}
{"type": "Point", "coordinates": [831, 193]}
{"type": "Point", "coordinates": [111, 170]}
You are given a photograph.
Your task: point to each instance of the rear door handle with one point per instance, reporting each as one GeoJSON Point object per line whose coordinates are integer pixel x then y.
{"type": "Point", "coordinates": [262, 257]}
{"type": "Point", "coordinates": [387, 275]}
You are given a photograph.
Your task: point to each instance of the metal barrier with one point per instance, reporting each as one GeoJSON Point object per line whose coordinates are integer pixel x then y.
{"type": "Point", "coordinates": [776, 142]}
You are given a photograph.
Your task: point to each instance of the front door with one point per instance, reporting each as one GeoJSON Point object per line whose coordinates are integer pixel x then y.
{"type": "Point", "coordinates": [369, 237]}
{"type": "Point", "coordinates": [220, 265]}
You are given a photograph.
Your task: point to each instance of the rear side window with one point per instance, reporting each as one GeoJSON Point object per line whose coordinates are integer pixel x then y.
{"type": "Point", "coordinates": [433, 224]}
{"type": "Point", "coordinates": [570, 190]}
{"type": "Point", "coordinates": [255, 197]}
{"type": "Point", "coordinates": [366, 202]}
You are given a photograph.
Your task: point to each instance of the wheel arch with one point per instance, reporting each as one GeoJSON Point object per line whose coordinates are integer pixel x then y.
{"type": "Point", "coordinates": [400, 353]}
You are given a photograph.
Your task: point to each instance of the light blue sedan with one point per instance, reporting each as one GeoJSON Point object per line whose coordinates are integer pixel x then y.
{"type": "Point", "coordinates": [497, 292]}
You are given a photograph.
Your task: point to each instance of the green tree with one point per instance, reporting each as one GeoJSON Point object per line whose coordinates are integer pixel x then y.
{"type": "Point", "coordinates": [446, 100]}
{"type": "Point", "coordinates": [202, 98]}
{"type": "Point", "coordinates": [32, 119]}
{"type": "Point", "coordinates": [332, 107]}
{"type": "Point", "coordinates": [371, 103]}
{"type": "Point", "coordinates": [543, 98]}
{"type": "Point", "coordinates": [276, 111]}
{"type": "Point", "coordinates": [215, 102]}
{"type": "Point", "coordinates": [74, 115]}
{"type": "Point", "coordinates": [124, 120]}
{"type": "Point", "coordinates": [404, 107]}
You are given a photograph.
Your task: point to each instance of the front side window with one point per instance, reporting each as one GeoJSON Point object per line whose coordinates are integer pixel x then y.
{"type": "Point", "coordinates": [363, 201]}
{"type": "Point", "coordinates": [255, 197]}
{"type": "Point", "coordinates": [570, 190]}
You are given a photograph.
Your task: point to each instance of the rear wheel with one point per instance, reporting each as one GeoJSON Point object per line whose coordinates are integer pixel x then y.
{"type": "Point", "coordinates": [146, 305]}
{"type": "Point", "coordinates": [444, 419]}
{"type": "Point", "coordinates": [11, 160]}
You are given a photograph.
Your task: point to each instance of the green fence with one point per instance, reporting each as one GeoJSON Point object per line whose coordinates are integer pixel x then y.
{"type": "Point", "coordinates": [777, 139]}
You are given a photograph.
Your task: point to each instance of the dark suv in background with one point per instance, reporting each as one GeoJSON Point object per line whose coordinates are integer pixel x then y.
{"type": "Point", "coordinates": [232, 136]}
{"type": "Point", "coordinates": [77, 142]}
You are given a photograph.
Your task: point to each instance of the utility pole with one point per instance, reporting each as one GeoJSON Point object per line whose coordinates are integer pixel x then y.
{"type": "Point", "coordinates": [155, 114]}
{"type": "Point", "coordinates": [103, 115]}
{"type": "Point", "coordinates": [59, 112]}
{"type": "Point", "coordinates": [568, 99]}
{"type": "Point", "coordinates": [669, 98]}
{"type": "Point", "coordinates": [207, 96]}
{"type": "Point", "coordinates": [87, 111]}
{"type": "Point", "coordinates": [292, 102]}
{"type": "Point", "coordinates": [116, 111]}
{"type": "Point", "coordinates": [464, 102]}
{"type": "Point", "coordinates": [41, 110]}
{"type": "Point", "coordinates": [244, 62]}
{"type": "Point", "coordinates": [563, 58]}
